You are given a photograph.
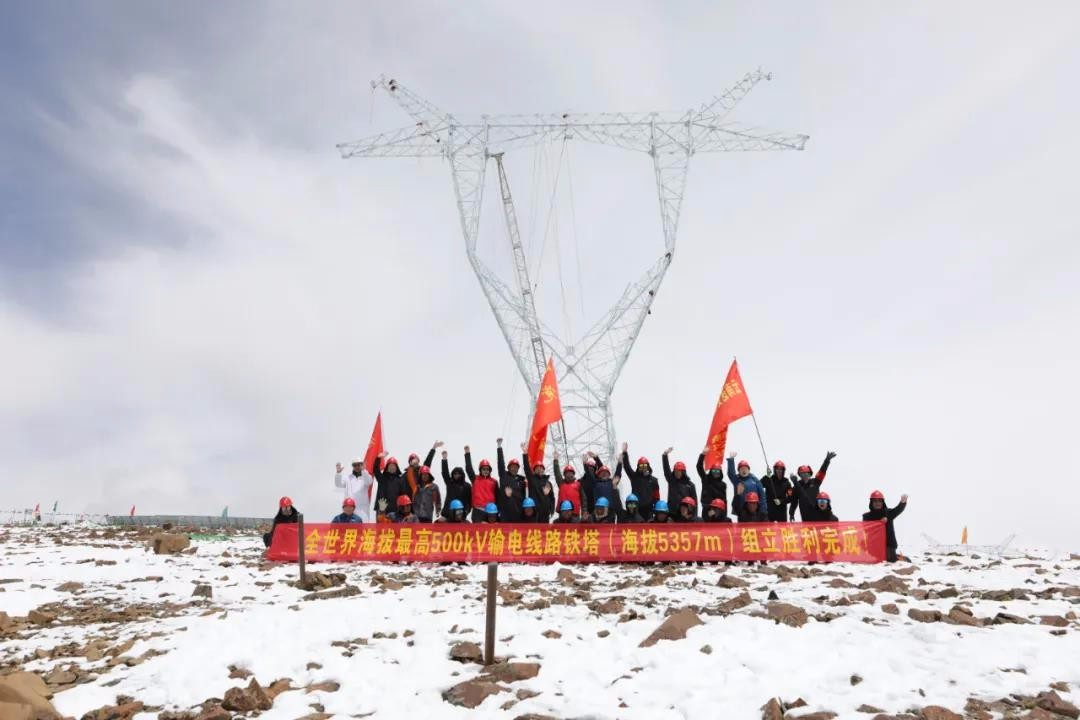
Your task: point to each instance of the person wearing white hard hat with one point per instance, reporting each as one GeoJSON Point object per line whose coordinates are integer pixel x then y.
{"type": "Point", "coordinates": [357, 486]}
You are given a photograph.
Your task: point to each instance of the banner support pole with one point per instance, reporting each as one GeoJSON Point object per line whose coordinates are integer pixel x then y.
{"type": "Point", "coordinates": [489, 629]}
{"type": "Point", "coordinates": [300, 541]}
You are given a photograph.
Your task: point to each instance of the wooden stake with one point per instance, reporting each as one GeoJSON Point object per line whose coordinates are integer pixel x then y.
{"type": "Point", "coordinates": [489, 630]}
{"type": "Point", "coordinates": [303, 558]}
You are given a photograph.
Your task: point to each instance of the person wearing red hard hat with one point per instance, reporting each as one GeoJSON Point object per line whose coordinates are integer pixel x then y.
{"type": "Point", "coordinates": [484, 487]}
{"type": "Point", "coordinates": [712, 481]}
{"type": "Point", "coordinates": [348, 513]}
{"type": "Point", "coordinates": [642, 483]}
{"type": "Point", "coordinates": [410, 479]}
{"type": "Point", "coordinates": [357, 485]}
{"type": "Point", "coordinates": [823, 511]}
{"type": "Point", "coordinates": [405, 512]}
{"type": "Point", "coordinates": [427, 499]}
{"type": "Point", "coordinates": [513, 488]}
{"type": "Point", "coordinates": [716, 511]}
{"type": "Point", "coordinates": [751, 510]}
{"type": "Point", "coordinates": [743, 482]}
{"type": "Point", "coordinates": [679, 484]}
{"type": "Point", "coordinates": [286, 514]}
{"type": "Point", "coordinates": [807, 487]}
{"type": "Point", "coordinates": [569, 488]}
{"type": "Point", "coordinates": [457, 488]}
{"type": "Point", "coordinates": [780, 493]}
{"type": "Point", "coordinates": [540, 490]}
{"type": "Point", "coordinates": [389, 484]}
{"type": "Point", "coordinates": [879, 511]}
{"type": "Point", "coordinates": [687, 512]}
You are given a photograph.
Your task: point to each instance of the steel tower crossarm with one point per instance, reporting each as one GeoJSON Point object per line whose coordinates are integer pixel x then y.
{"type": "Point", "coordinates": [588, 366]}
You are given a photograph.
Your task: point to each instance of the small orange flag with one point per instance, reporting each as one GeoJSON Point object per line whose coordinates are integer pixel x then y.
{"type": "Point", "coordinates": [548, 410]}
{"type": "Point", "coordinates": [732, 405]}
{"type": "Point", "coordinates": [374, 447]}
{"type": "Point", "coordinates": [963, 536]}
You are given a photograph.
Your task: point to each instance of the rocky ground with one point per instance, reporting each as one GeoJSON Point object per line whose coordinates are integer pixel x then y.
{"type": "Point", "coordinates": [109, 624]}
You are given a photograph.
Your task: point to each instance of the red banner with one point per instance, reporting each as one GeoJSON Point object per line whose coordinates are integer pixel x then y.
{"type": "Point", "coordinates": [854, 542]}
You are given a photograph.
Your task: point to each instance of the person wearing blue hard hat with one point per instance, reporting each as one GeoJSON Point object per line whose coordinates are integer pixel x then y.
{"type": "Point", "coordinates": [602, 512]}
{"type": "Point", "coordinates": [455, 513]}
{"type": "Point", "coordinates": [566, 515]}
{"type": "Point", "coordinates": [491, 513]}
{"type": "Point", "coordinates": [661, 514]}
{"type": "Point", "coordinates": [528, 511]}
{"type": "Point", "coordinates": [630, 513]}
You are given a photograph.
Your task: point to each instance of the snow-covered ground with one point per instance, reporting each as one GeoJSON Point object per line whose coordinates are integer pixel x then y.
{"type": "Point", "coordinates": [584, 629]}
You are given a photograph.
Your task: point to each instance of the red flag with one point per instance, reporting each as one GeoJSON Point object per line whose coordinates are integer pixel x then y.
{"type": "Point", "coordinates": [132, 513]}
{"type": "Point", "coordinates": [548, 410]}
{"type": "Point", "coordinates": [732, 405]}
{"type": "Point", "coordinates": [37, 508]}
{"type": "Point", "coordinates": [374, 447]}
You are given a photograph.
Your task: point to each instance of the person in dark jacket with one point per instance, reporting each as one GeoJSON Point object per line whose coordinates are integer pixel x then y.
{"type": "Point", "coordinates": [602, 512]}
{"type": "Point", "coordinates": [678, 482]}
{"type": "Point", "coordinates": [491, 513]}
{"type": "Point", "coordinates": [286, 515]}
{"type": "Point", "coordinates": [566, 515]}
{"type": "Point", "coordinates": [512, 487]}
{"type": "Point", "coordinates": [743, 482]}
{"type": "Point", "coordinates": [823, 511]}
{"type": "Point", "coordinates": [751, 510]}
{"type": "Point", "coordinates": [642, 483]}
{"type": "Point", "coordinates": [661, 514]}
{"type": "Point", "coordinates": [528, 511]}
{"type": "Point", "coordinates": [540, 490]}
{"type": "Point", "coordinates": [879, 511]}
{"type": "Point", "coordinates": [389, 482]}
{"type": "Point", "coordinates": [807, 487]}
{"type": "Point", "coordinates": [405, 513]}
{"type": "Point", "coordinates": [687, 511]}
{"type": "Point", "coordinates": [630, 514]}
{"type": "Point", "coordinates": [455, 513]}
{"type": "Point", "coordinates": [716, 512]}
{"type": "Point", "coordinates": [457, 487]}
{"type": "Point", "coordinates": [778, 489]}
{"type": "Point", "coordinates": [348, 513]}
{"type": "Point", "coordinates": [712, 482]}
{"type": "Point", "coordinates": [484, 487]}
{"type": "Point", "coordinates": [427, 499]}
{"type": "Point", "coordinates": [411, 477]}
{"type": "Point", "coordinates": [598, 482]}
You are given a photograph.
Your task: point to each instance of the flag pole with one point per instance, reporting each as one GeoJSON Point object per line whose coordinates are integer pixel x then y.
{"type": "Point", "coordinates": [760, 441]}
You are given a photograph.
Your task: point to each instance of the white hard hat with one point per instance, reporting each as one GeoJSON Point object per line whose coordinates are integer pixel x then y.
{"type": "Point", "coordinates": [358, 461]}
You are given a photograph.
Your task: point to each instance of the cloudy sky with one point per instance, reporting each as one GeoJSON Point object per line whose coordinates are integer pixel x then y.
{"type": "Point", "coordinates": [202, 305]}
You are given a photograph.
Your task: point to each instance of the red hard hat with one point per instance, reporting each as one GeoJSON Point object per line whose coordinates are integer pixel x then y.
{"type": "Point", "coordinates": [805, 469]}
{"type": "Point", "coordinates": [680, 466]}
{"type": "Point", "coordinates": [349, 501]}
{"type": "Point", "coordinates": [779, 464]}
{"type": "Point", "coordinates": [485, 464]}
{"type": "Point", "coordinates": [425, 470]}
{"type": "Point", "coordinates": [603, 469]}
{"type": "Point", "coordinates": [743, 464]}
{"type": "Point", "coordinates": [285, 502]}
{"type": "Point", "coordinates": [404, 500]}
{"type": "Point", "coordinates": [413, 456]}
{"type": "Point", "coordinates": [569, 469]}
{"type": "Point", "coordinates": [752, 497]}
{"type": "Point", "coordinates": [823, 496]}
{"type": "Point", "coordinates": [717, 466]}
{"type": "Point", "coordinates": [877, 495]}
{"type": "Point", "coordinates": [688, 501]}
{"type": "Point", "coordinates": [718, 503]}
{"type": "Point", "coordinates": [391, 461]}
{"type": "Point", "coordinates": [513, 461]}
{"type": "Point", "coordinates": [643, 461]}
{"type": "Point", "coordinates": [590, 461]}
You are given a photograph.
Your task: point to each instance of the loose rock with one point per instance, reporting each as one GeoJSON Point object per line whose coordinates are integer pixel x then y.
{"type": "Point", "coordinates": [673, 628]}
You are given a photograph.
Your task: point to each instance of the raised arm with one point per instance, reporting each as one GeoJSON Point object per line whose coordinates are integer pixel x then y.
{"type": "Point", "coordinates": [701, 466]}
{"type": "Point", "coordinates": [631, 471]}
{"type": "Point", "coordinates": [820, 477]}
{"type": "Point", "coordinates": [500, 460]}
{"type": "Point", "coordinates": [339, 482]}
{"type": "Point", "coordinates": [900, 507]}
{"type": "Point", "coordinates": [431, 453]}
{"type": "Point", "coordinates": [445, 469]}
{"type": "Point", "coordinates": [468, 465]}
{"type": "Point", "coordinates": [376, 468]}
{"type": "Point", "coordinates": [667, 467]}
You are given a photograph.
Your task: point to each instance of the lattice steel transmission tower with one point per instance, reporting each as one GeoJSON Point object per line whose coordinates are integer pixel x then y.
{"type": "Point", "coordinates": [587, 367]}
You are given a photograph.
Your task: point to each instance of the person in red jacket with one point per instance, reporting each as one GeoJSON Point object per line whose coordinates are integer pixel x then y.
{"type": "Point", "coordinates": [484, 487]}
{"type": "Point", "coordinates": [570, 488]}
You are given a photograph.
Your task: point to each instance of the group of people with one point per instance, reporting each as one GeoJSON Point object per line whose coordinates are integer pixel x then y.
{"type": "Point", "coordinates": [517, 491]}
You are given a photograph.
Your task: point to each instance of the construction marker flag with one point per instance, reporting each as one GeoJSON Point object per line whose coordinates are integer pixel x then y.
{"type": "Point", "coordinates": [732, 405]}
{"type": "Point", "coordinates": [374, 447]}
{"type": "Point", "coordinates": [132, 513]}
{"type": "Point", "coordinates": [56, 504]}
{"type": "Point", "coordinates": [963, 536]}
{"type": "Point", "coordinates": [37, 509]}
{"type": "Point", "coordinates": [225, 512]}
{"type": "Point", "coordinates": [853, 542]}
{"type": "Point", "coordinates": [548, 410]}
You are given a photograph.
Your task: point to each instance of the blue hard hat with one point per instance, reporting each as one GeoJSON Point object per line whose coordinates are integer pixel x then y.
{"type": "Point", "coordinates": [602, 502]}
{"type": "Point", "coordinates": [660, 506]}
{"type": "Point", "coordinates": [631, 498]}
{"type": "Point", "coordinates": [566, 505]}
{"type": "Point", "coordinates": [491, 509]}
{"type": "Point", "coordinates": [456, 505]}
{"type": "Point", "coordinates": [529, 503]}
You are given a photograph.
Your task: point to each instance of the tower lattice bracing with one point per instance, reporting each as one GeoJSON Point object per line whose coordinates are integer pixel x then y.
{"type": "Point", "coordinates": [587, 366]}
